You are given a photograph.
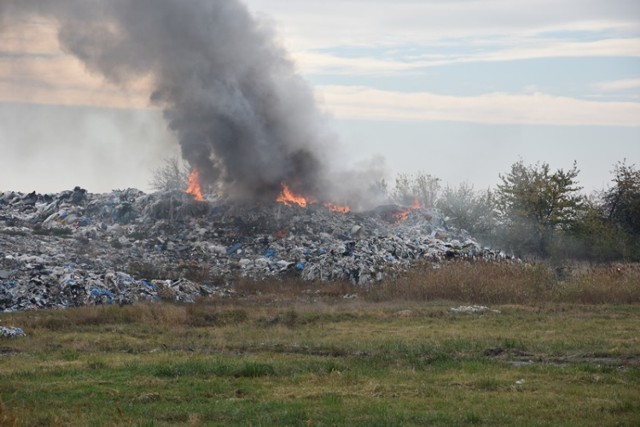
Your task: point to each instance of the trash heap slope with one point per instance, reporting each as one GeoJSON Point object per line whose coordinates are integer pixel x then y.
{"type": "Point", "coordinates": [75, 248]}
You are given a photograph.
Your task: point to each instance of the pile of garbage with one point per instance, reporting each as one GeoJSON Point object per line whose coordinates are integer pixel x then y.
{"type": "Point", "coordinates": [11, 332]}
{"type": "Point", "coordinates": [76, 248]}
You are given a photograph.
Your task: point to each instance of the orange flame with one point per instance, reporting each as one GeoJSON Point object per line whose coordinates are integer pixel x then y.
{"type": "Point", "coordinates": [289, 198]}
{"type": "Point", "coordinates": [401, 216]}
{"type": "Point", "coordinates": [194, 185]}
{"type": "Point", "coordinates": [337, 208]}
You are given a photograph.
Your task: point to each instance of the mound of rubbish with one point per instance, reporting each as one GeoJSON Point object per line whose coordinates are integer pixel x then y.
{"type": "Point", "coordinates": [76, 248]}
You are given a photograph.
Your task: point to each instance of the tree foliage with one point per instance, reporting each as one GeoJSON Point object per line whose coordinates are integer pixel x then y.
{"type": "Point", "coordinates": [535, 204]}
{"type": "Point", "coordinates": [535, 211]}
{"type": "Point", "coordinates": [618, 213]}
{"type": "Point", "coordinates": [470, 210]}
{"type": "Point", "coordinates": [621, 202]}
{"type": "Point", "coordinates": [593, 237]}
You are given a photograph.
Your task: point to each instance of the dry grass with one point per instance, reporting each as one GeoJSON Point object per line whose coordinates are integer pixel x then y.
{"type": "Point", "coordinates": [460, 282]}
{"type": "Point", "coordinates": [275, 292]}
{"type": "Point", "coordinates": [70, 319]}
{"type": "Point", "coordinates": [478, 282]}
{"type": "Point", "coordinates": [7, 418]}
{"type": "Point", "coordinates": [514, 283]}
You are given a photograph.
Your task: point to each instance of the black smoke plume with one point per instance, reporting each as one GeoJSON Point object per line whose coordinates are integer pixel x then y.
{"type": "Point", "coordinates": [228, 90]}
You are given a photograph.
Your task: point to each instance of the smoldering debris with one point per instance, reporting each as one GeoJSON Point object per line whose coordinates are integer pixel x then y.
{"type": "Point", "coordinates": [76, 248]}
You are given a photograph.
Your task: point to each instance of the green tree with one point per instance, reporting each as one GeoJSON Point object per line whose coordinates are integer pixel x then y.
{"type": "Point", "coordinates": [620, 210]}
{"type": "Point", "coordinates": [621, 202]}
{"type": "Point", "coordinates": [535, 206]}
{"type": "Point", "coordinates": [608, 227]}
{"type": "Point", "coordinates": [593, 237]}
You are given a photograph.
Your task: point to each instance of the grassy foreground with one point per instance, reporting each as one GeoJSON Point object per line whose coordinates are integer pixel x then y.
{"type": "Point", "coordinates": [302, 355]}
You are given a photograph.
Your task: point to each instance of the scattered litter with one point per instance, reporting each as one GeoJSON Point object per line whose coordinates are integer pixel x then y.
{"type": "Point", "coordinates": [520, 382]}
{"type": "Point", "coordinates": [520, 363]}
{"type": "Point", "coordinates": [473, 309]}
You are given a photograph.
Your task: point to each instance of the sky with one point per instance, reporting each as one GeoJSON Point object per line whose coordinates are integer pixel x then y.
{"type": "Point", "coordinates": [459, 89]}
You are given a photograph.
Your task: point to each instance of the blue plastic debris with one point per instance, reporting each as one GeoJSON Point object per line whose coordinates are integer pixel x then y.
{"type": "Point", "coordinates": [233, 249]}
{"type": "Point", "coordinates": [83, 221]}
{"type": "Point", "coordinates": [270, 253]}
{"type": "Point", "coordinates": [124, 279]}
{"type": "Point", "coordinates": [149, 284]}
{"type": "Point", "coordinates": [300, 266]}
{"type": "Point", "coordinates": [98, 293]}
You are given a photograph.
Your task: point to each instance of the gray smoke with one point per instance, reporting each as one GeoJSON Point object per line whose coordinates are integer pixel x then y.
{"type": "Point", "coordinates": [228, 91]}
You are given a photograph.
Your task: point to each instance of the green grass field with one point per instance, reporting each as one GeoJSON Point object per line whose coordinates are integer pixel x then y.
{"type": "Point", "coordinates": [294, 354]}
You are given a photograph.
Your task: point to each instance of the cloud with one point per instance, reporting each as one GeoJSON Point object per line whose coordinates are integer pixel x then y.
{"type": "Point", "coordinates": [33, 69]}
{"type": "Point", "coordinates": [327, 63]}
{"type": "Point", "coordinates": [331, 63]}
{"type": "Point", "coordinates": [310, 24]}
{"type": "Point", "coordinates": [35, 37]}
{"type": "Point", "coordinates": [544, 49]}
{"type": "Point", "coordinates": [364, 103]}
{"type": "Point", "coordinates": [40, 82]}
{"type": "Point", "coordinates": [619, 85]}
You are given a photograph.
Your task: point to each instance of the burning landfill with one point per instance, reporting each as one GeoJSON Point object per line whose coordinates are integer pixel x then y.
{"type": "Point", "coordinates": [250, 128]}
{"type": "Point", "coordinates": [76, 248]}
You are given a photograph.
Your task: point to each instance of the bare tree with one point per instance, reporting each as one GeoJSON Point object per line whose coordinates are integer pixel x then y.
{"type": "Point", "coordinates": [471, 210]}
{"type": "Point", "coordinates": [173, 174]}
{"type": "Point", "coordinates": [421, 187]}
{"type": "Point", "coordinates": [425, 189]}
{"type": "Point", "coordinates": [402, 192]}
